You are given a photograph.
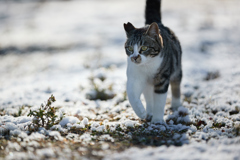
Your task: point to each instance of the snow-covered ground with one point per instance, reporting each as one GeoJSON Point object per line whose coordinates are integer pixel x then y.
{"type": "Point", "coordinates": [74, 50]}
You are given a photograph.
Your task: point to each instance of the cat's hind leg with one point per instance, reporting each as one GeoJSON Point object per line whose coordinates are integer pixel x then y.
{"type": "Point", "coordinates": [176, 93]}
{"type": "Point", "coordinates": [134, 90]}
{"type": "Point", "coordinates": [148, 95]}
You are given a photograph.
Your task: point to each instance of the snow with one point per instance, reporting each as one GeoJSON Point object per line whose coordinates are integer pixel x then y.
{"type": "Point", "coordinates": [35, 136]}
{"type": "Point", "coordinates": [55, 47]}
{"type": "Point", "coordinates": [56, 135]}
{"type": "Point", "coordinates": [85, 121]}
{"type": "Point", "coordinates": [129, 123]}
{"type": "Point", "coordinates": [85, 137]}
{"type": "Point", "coordinates": [69, 120]}
{"type": "Point", "coordinates": [106, 137]}
{"type": "Point", "coordinates": [14, 146]}
{"type": "Point", "coordinates": [100, 128]}
{"type": "Point", "coordinates": [212, 150]}
{"type": "Point", "coordinates": [46, 152]}
{"type": "Point", "coordinates": [10, 126]}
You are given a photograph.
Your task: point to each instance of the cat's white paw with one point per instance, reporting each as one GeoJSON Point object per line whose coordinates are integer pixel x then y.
{"type": "Point", "coordinates": [139, 110]}
{"type": "Point", "coordinates": [142, 115]}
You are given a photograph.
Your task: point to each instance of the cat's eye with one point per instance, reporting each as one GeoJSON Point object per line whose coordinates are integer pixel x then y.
{"type": "Point", "coordinates": [130, 48]}
{"type": "Point", "coordinates": [144, 48]}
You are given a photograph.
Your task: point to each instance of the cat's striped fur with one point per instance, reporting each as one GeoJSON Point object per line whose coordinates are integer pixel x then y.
{"type": "Point", "coordinates": [154, 62]}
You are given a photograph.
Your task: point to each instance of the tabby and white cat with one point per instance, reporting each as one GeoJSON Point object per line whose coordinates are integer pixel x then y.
{"type": "Point", "coordinates": [154, 61]}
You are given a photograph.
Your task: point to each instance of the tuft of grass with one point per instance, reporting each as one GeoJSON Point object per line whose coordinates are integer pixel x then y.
{"type": "Point", "coordinates": [236, 129]}
{"type": "Point", "coordinates": [2, 112]}
{"type": "Point", "coordinates": [3, 145]}
{"type": "Point", "coordinates": [45, 116]}
{"type": "Point", "coordinates": [101, 94]}
{"type": "Point", "coordinates": [219, 125]}
{"type": "Point", "coordinates": [212, 75]}
{"type": "Point", "coordinates": [20, 111]}
{"type": "Point", "coordinates": [199, 123]}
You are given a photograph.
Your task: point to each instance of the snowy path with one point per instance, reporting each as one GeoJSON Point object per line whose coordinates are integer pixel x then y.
{"type": "Point", "coordinates": [55, 47]}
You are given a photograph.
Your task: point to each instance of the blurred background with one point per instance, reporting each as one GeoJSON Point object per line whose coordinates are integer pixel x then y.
{"type": "Point", "coordinates": [54, 46]}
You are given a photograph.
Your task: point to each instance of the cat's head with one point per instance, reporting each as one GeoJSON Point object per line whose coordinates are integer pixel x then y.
{"type": "Point", "coordinates": [143, 44]}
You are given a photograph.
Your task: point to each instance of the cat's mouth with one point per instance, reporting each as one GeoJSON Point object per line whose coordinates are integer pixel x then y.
{"type": "Point", "coordinates": [136, 59]}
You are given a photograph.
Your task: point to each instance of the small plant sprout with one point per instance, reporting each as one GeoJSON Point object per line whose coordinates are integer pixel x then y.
{"type": "Point", "coordinates": [99, 92]}
{"type": "Point", "coordinates": [45, 116]}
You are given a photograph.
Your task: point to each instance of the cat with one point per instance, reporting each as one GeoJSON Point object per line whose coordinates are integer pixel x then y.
{"type": "Point", "coordinates": [154, 61]}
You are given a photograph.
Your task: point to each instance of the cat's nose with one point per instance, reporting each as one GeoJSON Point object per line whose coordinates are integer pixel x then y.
{"type": "Point", "coordinates": [134, 58]}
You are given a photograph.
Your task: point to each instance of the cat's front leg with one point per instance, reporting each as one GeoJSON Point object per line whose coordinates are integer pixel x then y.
{"type": "Point", "coordinates": [158, 108]}
{"type": "Point", "coordinates": [160, 97]}
{"type": "Point", "coordinates": [134, 90]}
{"type": "Point", "coordinates": [148, 95]}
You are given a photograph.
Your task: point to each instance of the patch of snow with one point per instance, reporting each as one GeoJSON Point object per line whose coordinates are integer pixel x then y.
{"type": "Point", "coordinates": [106, 137]}
{"type": "Point", "coordinates": [69, 120]}
{"type": "Point", "coordinates": [46, 153]}
{"type": "Point", "coordinates": [35, 136]}
{"type": "Point", "coordinates": [10, 126]}
{"type": "Point", "coordinates": [86, 137]}
{"type": "Point", "coordinates": [56, 135]}
{"type": "Point", "coordinates": [85, 121]}
{"type": "Point", "coordinates": [129, 123]}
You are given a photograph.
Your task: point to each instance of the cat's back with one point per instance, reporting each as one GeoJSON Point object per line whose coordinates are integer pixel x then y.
{"type": "Point", "coordinates": [168, 33]}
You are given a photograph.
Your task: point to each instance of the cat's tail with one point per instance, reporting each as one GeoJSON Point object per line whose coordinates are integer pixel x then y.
{"type": "Point", "coordinates": [153, 11]}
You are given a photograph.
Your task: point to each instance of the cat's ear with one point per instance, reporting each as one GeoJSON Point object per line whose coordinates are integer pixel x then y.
{"type": "Point", "coordinates": [153, 30]}
{"type": "Point", "coordinates": [128, 27]}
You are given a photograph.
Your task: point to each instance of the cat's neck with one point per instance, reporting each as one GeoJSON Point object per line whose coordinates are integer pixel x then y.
{"type": "Point", "coordinates": [146, 70]}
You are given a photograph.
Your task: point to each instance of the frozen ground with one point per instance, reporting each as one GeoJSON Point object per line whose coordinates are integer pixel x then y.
{"type": "Point", "coordinates": [65, 48]}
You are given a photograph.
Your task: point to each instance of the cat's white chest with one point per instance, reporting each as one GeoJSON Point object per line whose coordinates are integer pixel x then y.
{"type": "Point", "coordinates": [144, 71]}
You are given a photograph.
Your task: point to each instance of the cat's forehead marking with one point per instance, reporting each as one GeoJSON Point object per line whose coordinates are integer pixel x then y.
{"type": "Point", "coordinates": [135, 47]}
{"type": "Point", "coordinates": [135, 39]}
{"type": "Point", "coordinates": [137, 36]}
{"type": "Point", "coordinates": [135, 50]}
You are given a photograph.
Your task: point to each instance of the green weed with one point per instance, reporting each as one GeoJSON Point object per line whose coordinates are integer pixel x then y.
{"type": "Point", "coordinates": [45, 116]}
